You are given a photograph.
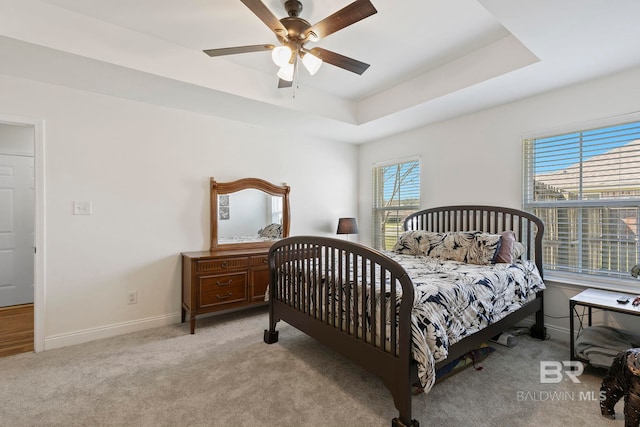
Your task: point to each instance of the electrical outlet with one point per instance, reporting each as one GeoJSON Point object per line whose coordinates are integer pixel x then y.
{"type": "Point", "coordinates": [82, 208]}
{"type": "Point", "coordinates": [133, 297]}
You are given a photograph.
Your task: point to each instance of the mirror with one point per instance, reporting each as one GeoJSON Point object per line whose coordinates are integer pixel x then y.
{"type": "Point", "coordinates": [248, 213]}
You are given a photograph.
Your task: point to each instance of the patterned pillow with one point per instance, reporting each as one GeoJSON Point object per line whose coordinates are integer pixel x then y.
{"type": "Point", "coordinates": [484, 249]}
{"type": "Point", "coordinates": [414, 242]}
{"type": "Point", "coordinates": [451, 246]}
{"type": "Point", "coordinates": [472, 247]}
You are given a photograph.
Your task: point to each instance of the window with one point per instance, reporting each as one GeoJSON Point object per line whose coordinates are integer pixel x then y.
{"type": "Point", "coordinates": [585, 186]}
{"type": "Point", "coordinates": [275, 209]}
{"type": "Point", "coordinates": [396, 194]}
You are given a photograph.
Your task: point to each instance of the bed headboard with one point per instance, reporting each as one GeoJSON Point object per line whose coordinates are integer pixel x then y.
{"type": "Point", "coordinates": [527, 227]}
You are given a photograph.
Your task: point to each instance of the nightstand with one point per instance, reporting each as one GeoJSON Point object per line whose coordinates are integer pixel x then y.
{"type": "Point", "coordinates": [596, 298]}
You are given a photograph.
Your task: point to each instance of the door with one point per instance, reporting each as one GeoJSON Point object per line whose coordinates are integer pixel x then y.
{"type": "Point", "coordinates": [16, 229]}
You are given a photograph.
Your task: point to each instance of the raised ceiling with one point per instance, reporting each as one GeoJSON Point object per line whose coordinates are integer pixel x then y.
{"type": "Point", "coordinates": [430, 59]}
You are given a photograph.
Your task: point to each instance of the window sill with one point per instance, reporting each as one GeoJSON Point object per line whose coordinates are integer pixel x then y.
{"type": "Point", "coordinates": [630, 285]}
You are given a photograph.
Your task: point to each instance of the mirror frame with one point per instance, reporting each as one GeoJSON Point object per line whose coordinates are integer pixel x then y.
{"type": "Point", "coordinates": [218, 188]}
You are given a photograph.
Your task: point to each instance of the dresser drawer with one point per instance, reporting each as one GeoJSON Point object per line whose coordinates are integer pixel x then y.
{"type": "Point", "coordinates": [222, 289]}
{"type": "Point", "coordinates": [222, 264]}
{"type": "Point", "coordinates": [257, 261]}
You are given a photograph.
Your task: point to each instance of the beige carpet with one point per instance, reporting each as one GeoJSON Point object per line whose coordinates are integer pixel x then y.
{"type": "Point", "coordinates": [224, 375]}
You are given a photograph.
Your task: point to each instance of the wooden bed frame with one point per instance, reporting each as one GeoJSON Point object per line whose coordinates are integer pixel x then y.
{"type": "Point", "coordinates": [296, 263]}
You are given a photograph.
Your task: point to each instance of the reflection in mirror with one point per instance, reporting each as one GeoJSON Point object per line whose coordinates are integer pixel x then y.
{"type": "Point", "coordinates": [249, 216]}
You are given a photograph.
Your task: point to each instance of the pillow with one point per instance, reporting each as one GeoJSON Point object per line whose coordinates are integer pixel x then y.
{"type": "Point", "coordinates": [518, 250]}
{"type": "Point", "coordinates": [451, 246]}
{"type": "Point", "coordinates": [510, 249]}
{"type": "Point", "coordinates": [472, 247]}
{"type": "Point", "coordinates": [484, 249]}
{"type": "Point", "coordinates": [414, 242]}
{"type": "Point", "coordinates": [504, 254]}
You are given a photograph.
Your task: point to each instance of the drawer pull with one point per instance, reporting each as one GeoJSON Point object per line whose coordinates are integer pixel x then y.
{"type": "Point", "coordinates": [224, 264]}
{"type": "Point", "coordinates": [265, 261]}
{"type": "Point", "coordinates": [227, 295]}
{"type": "Point", "coordinates": [227, 283]}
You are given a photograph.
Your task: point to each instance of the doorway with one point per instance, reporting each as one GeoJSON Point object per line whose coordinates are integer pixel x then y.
{"type": "Point", "coordinates": [17, 236]}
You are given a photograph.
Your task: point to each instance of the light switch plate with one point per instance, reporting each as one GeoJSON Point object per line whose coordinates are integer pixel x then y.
{"type": "Point", "coordinates": [82, 208]}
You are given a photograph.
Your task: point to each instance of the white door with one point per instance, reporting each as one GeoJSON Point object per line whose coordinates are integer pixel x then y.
{"type": "Point", "coordinates": [16, 229]}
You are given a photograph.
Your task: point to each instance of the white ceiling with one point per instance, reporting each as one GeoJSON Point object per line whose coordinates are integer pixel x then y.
{"type": "Point", "coordinates": [430, 59]}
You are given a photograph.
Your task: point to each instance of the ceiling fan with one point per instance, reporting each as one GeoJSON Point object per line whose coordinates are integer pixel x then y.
{"type": "Point", "coordinates": [294, 33]}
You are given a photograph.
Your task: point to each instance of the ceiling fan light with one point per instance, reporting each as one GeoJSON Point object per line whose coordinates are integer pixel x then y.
{"type": "Point", "coordinates": [286, 72]}
{"type": "Point", "coordinates": [281, 55]}
{"type": "Point", "coordinates": [312, 63]}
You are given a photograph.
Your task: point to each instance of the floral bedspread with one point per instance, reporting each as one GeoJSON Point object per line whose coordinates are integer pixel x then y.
{"type": "Point", "coordinates": [454, 300]}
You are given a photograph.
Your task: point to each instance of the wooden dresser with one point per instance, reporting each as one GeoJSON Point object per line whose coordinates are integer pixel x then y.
{"type": "Point", "coordinates": [223, 279]}
{"type": "Point", "coordinates": [234, 273]}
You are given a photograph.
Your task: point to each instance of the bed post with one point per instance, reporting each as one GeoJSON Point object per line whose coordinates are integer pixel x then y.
{"type": "Point", "coordinates": [538, 330]}
{"type": "Point", "coordinates": [271, 335]}
{"type": "Point", "coordinates": [401, 385]}
{"type": "Point", "coordinates": [397, 422]}
{"type": "Point", "coordinates": [404, 409]}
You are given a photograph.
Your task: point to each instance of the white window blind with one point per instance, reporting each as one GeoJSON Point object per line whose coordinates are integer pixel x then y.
{"type": "Point", "coordinates": [585, 186]}
{"type": "Point", "coordinates": [396, 194]}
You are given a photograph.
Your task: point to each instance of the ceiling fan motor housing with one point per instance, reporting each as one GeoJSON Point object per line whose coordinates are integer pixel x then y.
{"type": "Point", "coordinates": [296, 28]}
{"type": "Point", "coordinates": [293, 7]}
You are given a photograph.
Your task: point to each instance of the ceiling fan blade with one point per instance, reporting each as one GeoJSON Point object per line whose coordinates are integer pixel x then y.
{"type": "Point", "coordinates": [346, 16]}
{"type": "Point", "coordinates": [283, 83]}
{"type": "Point", "coordinates": [338, 60]}
{"type": "Point", "coordinates": [265, 15]}
{"type": "Point", "coordinates": [238, 49]}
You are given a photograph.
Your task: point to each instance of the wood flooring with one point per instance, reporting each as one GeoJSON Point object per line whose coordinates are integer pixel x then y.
{"type": "Point", "coordinates": [16, 329]}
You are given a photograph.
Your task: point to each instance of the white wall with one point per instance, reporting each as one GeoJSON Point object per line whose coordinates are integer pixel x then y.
{"type": "Point", "coordinates": [146, 170]}
{"type": "Point", "coordinates": [16, 139]}
{"type": "Point", "coordinates": [477, 159]}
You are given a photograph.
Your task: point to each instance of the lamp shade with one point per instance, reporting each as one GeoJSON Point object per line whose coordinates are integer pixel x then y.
{"type": "Point", "coordinates": [281, 55]}
{"type": "Point", "coordinates": [286, 72]}
{"type": "Point", "coordinates": [311, 63]}
{"type": "Point", "coordinates": [347, 226]}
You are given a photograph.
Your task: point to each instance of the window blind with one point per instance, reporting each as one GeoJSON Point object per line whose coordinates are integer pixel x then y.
{"type": "Point", "coordinates": [585, 185]}
{"type": "Point", "coordinates": [396, 194]}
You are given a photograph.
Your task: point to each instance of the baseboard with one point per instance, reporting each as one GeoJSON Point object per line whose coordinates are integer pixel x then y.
{"type": "Point", "coordinates": [86, 335]}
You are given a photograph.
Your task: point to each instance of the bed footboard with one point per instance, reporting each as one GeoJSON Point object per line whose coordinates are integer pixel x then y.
{"type": "Point", "coordinates": [352, 299]}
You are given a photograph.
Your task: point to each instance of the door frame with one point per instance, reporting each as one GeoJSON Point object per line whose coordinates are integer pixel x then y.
{"type": "Point", "coordinates": [39, 285]}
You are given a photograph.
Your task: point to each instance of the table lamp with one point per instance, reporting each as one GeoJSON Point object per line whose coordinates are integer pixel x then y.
{"type": "Point", "coordinates": [347, 226]}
